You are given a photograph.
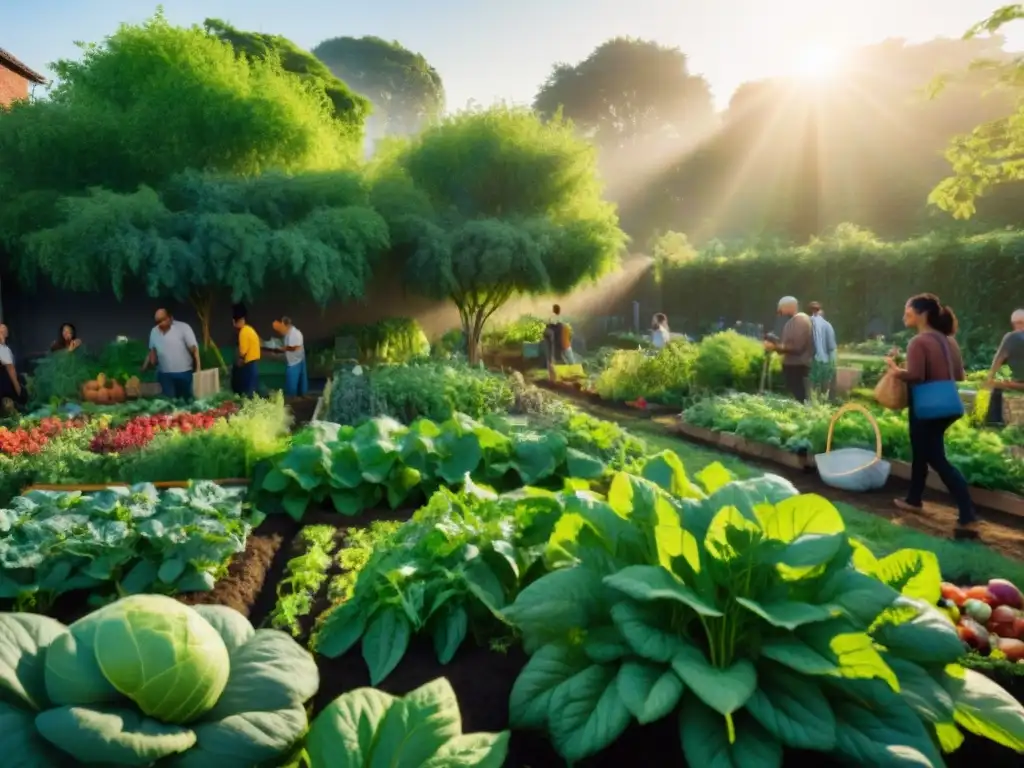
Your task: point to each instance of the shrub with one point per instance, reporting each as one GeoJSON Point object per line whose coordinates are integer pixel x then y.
{"type": "Point", "coordinates": [59, 376]}
{"type": "Point", "coordinates": [728, 360]}
{"type": "Point", "coordinates": [527, 329]}
{"type": "Point", "coordinates": [663, 377]}
{"type": "Point", "coordinates": [395, 340]}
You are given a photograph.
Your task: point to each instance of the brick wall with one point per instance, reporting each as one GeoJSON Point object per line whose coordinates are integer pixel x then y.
{"type": "Point", "coordinates": [12, 86]}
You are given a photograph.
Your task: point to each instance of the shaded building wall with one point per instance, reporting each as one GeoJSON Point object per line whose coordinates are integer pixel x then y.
{"type": "Point", "coordinates": [12, 86]}
{"type": "Point", "coordinates": [34, 317]}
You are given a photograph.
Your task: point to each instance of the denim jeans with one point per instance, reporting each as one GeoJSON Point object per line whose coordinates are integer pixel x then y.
{"type": "Point", "coordinates": [296, 381]}
{"type": "Point", "coordinates": [177, 386]}
{"type": "Point", "coordinates": [247, 378]}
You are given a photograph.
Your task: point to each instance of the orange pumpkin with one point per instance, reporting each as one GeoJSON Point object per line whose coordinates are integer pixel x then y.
{"type": "Point", "coordinates": [116, 393]}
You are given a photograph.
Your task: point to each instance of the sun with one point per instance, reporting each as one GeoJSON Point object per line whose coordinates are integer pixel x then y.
{"type": "Point", "coordinates": [817, 62]}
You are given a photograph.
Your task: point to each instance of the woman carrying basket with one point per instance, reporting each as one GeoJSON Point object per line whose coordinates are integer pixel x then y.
{"type": "Point", "coordinates": [934, 365]}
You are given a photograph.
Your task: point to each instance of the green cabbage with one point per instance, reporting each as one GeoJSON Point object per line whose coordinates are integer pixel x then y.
{"type": "Point", "coordinates": [148, 681]}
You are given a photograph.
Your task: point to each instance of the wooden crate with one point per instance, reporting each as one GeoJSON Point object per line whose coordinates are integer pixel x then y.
{"type": "Point", "coordinates": [149, 389]}
{"type": "Point", "coordinates": [205, 383]}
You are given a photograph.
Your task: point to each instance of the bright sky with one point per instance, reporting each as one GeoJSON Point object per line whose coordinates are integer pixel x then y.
{"type": "Point", "coordinates": [489, 50]}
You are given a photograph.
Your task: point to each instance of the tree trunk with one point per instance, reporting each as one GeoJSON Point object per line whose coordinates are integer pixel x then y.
{"type": "Point", "coordinates": [202, 303]}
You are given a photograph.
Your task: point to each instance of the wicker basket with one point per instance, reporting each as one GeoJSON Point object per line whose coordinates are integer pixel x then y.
{"type": "Point", "coordinates": [853, 469]}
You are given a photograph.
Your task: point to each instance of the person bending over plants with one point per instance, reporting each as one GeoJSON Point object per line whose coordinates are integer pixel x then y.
{"type": "Point", "coordinates": [934, 365]}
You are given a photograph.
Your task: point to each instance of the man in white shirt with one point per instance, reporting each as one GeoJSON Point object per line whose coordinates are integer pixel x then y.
{"type": "Point", "coordinates": [173, 349]}
{"type": "Point", "coordinates": [296, 377]}
{"type": "Point", "coordinates": [823, 367]}
{"type": "Point", "coordinates": [11, 389]}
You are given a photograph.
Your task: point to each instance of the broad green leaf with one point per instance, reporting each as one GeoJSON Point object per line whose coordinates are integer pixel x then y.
{"type": "Point", "coordinates": [548, 668]}
{"type": "Point", "coordinates": [354, 502]}
{"type": "Point", "coordinates": [385, 642]}
{"type": "Point", "coordinates": [793, 709]}
{"type": "Point", "coordinates": [724, 690]}
{"type": "Point", "coordinates": [912, 572]}
{"type": "Point", "coordinates": [862, 597]}
{"type": "Point", "coordinates": [401, 482]}
{"type": "Point", "coordinates": [950, 737]}
{"type": "Point", "coordinates": [586, 713]}
{"type": "Point", "coordinates": [583, 465]}
{"type": "Point", "coordinates": [922, 691]}
{"type": "Point", "coordinates": [649, 691]}
{"type": "Point", "coordinates": [345, 471]}
{"type": "Point", "coordinates": [342, 735]}
{"type": "Point", "coordinates": [805, 515]}
{"type": "Point", "coordinates": [558, 603]}
{"type": "Point", "coordinates": [295, 503]}
{"type": "Point", "coordinates": [928, 638]}
{"type": "Point", "coordinates": [232, 626]}
{"type": "Point", "coordinates": [416, 726]}
{"type": "Point", "coordinates": [73, 675]}
{"type": "Point", "coordinates": [482, 582]}
{"type": "Point", "coordinates": [472, 750]}
{"type": "Point", "coordinates": [254, 737]}
{"type": "Point", "coordinates": [666, 470]}
{"type": "Point", "coordinates": [853, 653]}
{"type": "Point", "coordinates": [731, 535]}
{"type": "Point", "coordinates": [341, 630]}
{"type": "Point", "coordinates": [21, 744]}
{"type": "Point", "coordinates": [875, 726]}
{"type": "Point", "coordinates": [706, 743]}
{"type": "Point", "coordinates": [864, 559]}
{"type": "Point", "coordinates": [714, 477]}
{"type": "Point", "coordinates": [110, 735]}
{"type": "Point", "coordinates": [449, 631]}
{"type": "Point", "coordinates": [797, 655]}
{"type": "Point", "coordinates": [605, 644]}
{"type": "Point", "coordinates": [643, 627]}
{"type": "Point", "coordinates": [985, 708]}
{"type": "Point", "coordinates": [538, 456]}
{"type": "Point", "coordinates": [652, 582]}
{"type": "Point", "coordinates": [269, 672]}
{"type": "Point", "coordinates": [274, 481]}
{"type": "Point", "coordinates": [307, 465]}
{"type": "Point", "coordinates": [788, 614]}
{"type": "Point", "coordinates": [459, 455]}
{"type": "Point", "coordinates": [24, 638]}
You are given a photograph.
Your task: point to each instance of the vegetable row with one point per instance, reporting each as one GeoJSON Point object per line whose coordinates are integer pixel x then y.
{"type": "Point", "coordinates": [125, 540]}
{"type": "Point", "coordinates": [357, 468]}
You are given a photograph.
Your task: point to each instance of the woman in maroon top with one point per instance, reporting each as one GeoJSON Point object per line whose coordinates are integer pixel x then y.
{"type": "Point", "coordinates": [932, 355]}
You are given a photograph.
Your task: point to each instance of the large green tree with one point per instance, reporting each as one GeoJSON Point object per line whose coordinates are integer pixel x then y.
{"type": "Point", "coordinates": [151, 101]}
{"type": "Point", "coordinates": [991, 154]}
{"type": "Point", "coordinates": [350, 108]}
{"type": "Point", "coordinates": [202, 238]}
{"type": "Point", "coordinates": [406, 92]}
{"type": "Point", "coordinates": [490, 204]}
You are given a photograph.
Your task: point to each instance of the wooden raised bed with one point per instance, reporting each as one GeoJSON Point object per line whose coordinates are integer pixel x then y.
{"type": "Point", "coordinates": [1002, 501]}
{"type": "Point", "coordinates": [323, 402]}
{"type": "Point", "coordinates": [93, 487]}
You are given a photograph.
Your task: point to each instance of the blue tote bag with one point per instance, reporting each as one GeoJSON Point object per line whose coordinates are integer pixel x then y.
{"type": "Point", "coordinates": [938, 399]}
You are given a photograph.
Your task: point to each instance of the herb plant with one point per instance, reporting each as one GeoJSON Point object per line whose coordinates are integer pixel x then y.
{"type": "Point", "coordinates": [304, 576]}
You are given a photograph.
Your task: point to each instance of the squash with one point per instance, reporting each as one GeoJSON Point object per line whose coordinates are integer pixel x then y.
{"type": "Point", "coordinates": [102, 396]}
{"type": "Point", "coordinates": [116, 393]}
{"type": "Point", "coordinates": [133, 387]}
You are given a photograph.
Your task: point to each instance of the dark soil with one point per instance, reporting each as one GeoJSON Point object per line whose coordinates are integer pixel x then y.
{"type": "Point", "coordinates": [248, 572]}
{"type": "Point", "coordinates": [302, 408]}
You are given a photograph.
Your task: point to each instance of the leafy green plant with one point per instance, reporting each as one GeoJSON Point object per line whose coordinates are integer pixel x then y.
{"type": "Point", "coordinates": [664, 376]}
{"type": "Point", "coordinates": [59, 376]}
{"type": "Point", "coordinates": [447, 571]}
{"type": "Point", "coordinates": [358, 468]}
{"type": "Point", "coordinates": [422, 729]}
{"type": "Point", "coordinates": [120, 360]}
{"type": "Point", "coordinates": [304, 576]}
{"type": "Point", "coordinates": [148, 680]}
{"type": "Point", "coordinates": [525, 329]}
{"type": "Point", "coordinates": [436, 391]}
{"type": "Point", "coordinates": [131, 540]}
{"type": "Point", "coordinates": [746, 611]}
{"type": "Point", "coordinates": [392, 340]}
{"type": "Point", "coordinates": [728, 360]}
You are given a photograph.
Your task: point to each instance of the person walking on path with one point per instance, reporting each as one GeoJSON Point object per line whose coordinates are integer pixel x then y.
{"type": "Point", "coordinates": [660, 334]}
{"type": "Point", "coordinates": [175, 353]}
{"type": "Point", "coordinates": [933, 358]}
{"type": "Point", "coordinates": [823, 367]}
{"type": "Point", "coordinates": [247, 357]}
{"type": "Point", "coordinates": [1011, 353]}
{"type": "Point", "coordinates": [296, 376]}
{"type": "Point", "coordinates": [796, 346]}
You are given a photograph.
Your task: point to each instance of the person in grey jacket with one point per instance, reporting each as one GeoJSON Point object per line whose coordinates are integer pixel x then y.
{"type": "Point", "coordinates": [823, 366]}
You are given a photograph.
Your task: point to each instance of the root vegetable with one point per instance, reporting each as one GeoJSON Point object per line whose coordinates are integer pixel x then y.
{"type": "Point", "coordinates": [1013, 648]}
{"type": "Point", "coordinates": [972, 633]}
{"type": "Point", "coordinates": [977, 610]}
{"type": "Point", "coordinates": [1005, 593]}
{"type": "Point", "coordinates": [954, 593]}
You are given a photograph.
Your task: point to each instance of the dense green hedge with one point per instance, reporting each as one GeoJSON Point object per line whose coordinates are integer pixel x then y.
{"type": "Point", "coordinates": [394, 340]}
{"type": "Point", "coordinates": [862, 281]}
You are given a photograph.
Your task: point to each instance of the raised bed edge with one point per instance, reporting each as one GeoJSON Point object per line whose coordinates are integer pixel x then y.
{"type": "Point", "coordinates": [323, 400]}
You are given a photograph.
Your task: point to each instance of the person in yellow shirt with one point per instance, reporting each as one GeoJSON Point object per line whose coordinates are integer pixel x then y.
{"type": "Point", "coordinates": [247, 358]}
